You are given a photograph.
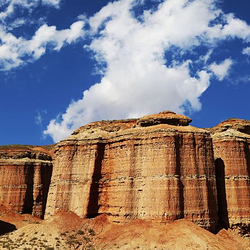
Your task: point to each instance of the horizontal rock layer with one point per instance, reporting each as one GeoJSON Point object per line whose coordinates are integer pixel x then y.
{"type": "Point", "coordinates": [231, 142]}
{"type": "Point", "coordinates": [160, 172]}
{"type": "Point", "coordinates": [25, 174]}
{"type": "Point", "coordinates": [155, 168]}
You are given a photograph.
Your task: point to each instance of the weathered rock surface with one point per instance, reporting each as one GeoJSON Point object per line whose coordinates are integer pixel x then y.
{"type": "Point", "coordinates": [25, 173]}
{"type": "Point", "coordinates": [231, 140]}
{"type": "Point", "coordinates": [155, 168]}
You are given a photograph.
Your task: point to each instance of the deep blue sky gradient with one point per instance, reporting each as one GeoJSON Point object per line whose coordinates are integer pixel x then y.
{"type": "Point", "coordinates": [50, 83]}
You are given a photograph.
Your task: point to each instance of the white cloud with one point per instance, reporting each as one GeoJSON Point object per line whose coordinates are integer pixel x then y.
{"type": "Point", "coordinates": [137, 79]}
{"type": "Point", "coordinates": [246, 51]}
{"type": "Point", "coordinates": [221, 70]}
{"type": "Point", "coordinates": [39, 116]}
{"type": "Point", "coordinates": [49, 35]}
{"type": "Point", "coordinates": [13, 49]}
{"type": "Point", "coordinates": [55, 3]}
{"type": "Point", "coordinates": [236, 27]}
{"type": "Point", "coordinates": [10, 5]}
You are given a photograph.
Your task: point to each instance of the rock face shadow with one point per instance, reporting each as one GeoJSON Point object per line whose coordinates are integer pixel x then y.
{"type": "Point", "coordinates": [93, 206]}
{"type": "Point", "coordinates": [46, 180]}
{"type": "Point", "coordinates": [6, 227]}
{"type": "Point", "coordinates": [221, 193]}
{"type": "Point", "coordinates": [29, 181]}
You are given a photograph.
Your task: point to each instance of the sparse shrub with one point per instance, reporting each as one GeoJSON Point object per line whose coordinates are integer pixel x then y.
{"type": "Point", "coordinates": [91, 232]}
{"type": "Point", "coordinates": [80, 232]}
{"type": "Point", "coordinates": [87, 239]}
{"type": "Point", "coordinates": [72, 237]}
{"type": "Point", "coordinates": [90, 247]}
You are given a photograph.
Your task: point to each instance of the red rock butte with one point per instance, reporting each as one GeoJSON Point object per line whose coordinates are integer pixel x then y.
{"type": "Point", "coordinates": [156, 168]}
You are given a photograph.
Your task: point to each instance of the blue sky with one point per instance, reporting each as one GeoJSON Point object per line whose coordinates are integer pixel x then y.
{"type": "Point", "coordinates": [66, 63]}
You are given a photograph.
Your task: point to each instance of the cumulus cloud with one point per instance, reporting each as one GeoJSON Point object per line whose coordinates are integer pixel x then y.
{"type": "Point", "coordinates": [146, 54]}
{"type": "Point", "coordinates": [221, 70]}
{"type": "Point", "coordinates": [9, 6]}
{"type": "Point", "coordinates": [15, 51]}
{"type": "Point", "coordinates": [49, 35]}
{"type": "Point", "coordinates": [55, 3]}
{"type": "Point", "coordinates": [246, 51]}
{"type": "Point", "coordinates": [138, 77]}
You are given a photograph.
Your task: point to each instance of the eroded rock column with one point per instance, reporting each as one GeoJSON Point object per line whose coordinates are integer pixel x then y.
{"type": "Point", "coordinates": [24, 179]}
{"type": "Point", "coordinates": [231, 149]}
{"type": "Point", "coordinates": [74, 164]}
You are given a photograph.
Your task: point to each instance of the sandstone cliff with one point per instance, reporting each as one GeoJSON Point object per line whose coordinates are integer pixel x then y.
{"type": "Point", "coordinates": [25, 173]}
{"type": "Point", "coordinates": [231, 140]}
{"type": "Point", "coordinates": [155, 168]}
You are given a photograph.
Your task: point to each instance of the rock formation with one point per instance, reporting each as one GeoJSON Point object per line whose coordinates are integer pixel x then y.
{"type": "Point", "coordinates": [25, 173]}
{"type": "Point", "coordinates": [231, 140]}
{"type": "Point", "coordinates": [155, 168]}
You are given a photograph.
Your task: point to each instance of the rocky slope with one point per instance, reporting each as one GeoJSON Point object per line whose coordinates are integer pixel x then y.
{"type": "Point", "coordinates": [25, 173]}
{"type": "Point", "coordinates": [68, 231]}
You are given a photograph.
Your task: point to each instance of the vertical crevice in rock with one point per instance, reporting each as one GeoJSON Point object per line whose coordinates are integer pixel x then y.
{"type": "Point", "coordinates": [196, 155]}
{"type": "Point", "coordinates": [46, 173]}
{"type": "Point", "coordinates": [29, 182]}
{"type": "Point", "coordinates": [212, 208]}
{"type": "Point", "coordinates": [221, 193]}
{"type": "Point", "coordinates": [211, 189]}
{"type": "Point", "coordinates": [247, 155]}
{"type": "Point", "coordinates": [93, 205]}
{"type": "Point", "coordinates": [178, 173]}
{"type": "Point", "coordinates": [132, 175]}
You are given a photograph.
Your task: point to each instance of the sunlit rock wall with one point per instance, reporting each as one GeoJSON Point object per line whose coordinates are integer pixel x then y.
{"type": "Point", "coordinates": [231, 141]}
{"type": "Point", "coordinates": [155, 168]}
{"type": "Point", "coordinates": [24, 179]}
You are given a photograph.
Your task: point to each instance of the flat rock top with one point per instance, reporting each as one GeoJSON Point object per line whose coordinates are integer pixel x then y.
{"type": "Point", "coordinates": [108, 126]}
{"type": "Point", "coordinates": [19, 152]}
{"type": "Point", "coordinates": [164, 122]}
{"type": "Point", "coordinates": [165, 117]}
{"type": "Point", "coordinates": [232, 128]}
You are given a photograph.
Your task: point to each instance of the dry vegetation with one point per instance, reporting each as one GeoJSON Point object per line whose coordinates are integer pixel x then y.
{"type": "Point", "coordinates": [68, 231]}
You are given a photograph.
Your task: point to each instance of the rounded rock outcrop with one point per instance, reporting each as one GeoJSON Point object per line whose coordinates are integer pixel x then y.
{"type": "Point", "coordinates": [236, 124]}
{"type": "Point", "coordinates": [165, 117]}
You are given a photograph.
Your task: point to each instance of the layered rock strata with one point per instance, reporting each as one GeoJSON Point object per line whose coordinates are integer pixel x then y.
{"type": "Point", "coordinates": [231, 140]}
{"type": "Point", "coordinates": [154, 168]}
{"type": "Point", "coordinates": [25, 173]}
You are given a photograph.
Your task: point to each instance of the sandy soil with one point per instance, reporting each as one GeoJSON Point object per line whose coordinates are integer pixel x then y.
{"type": "Point", "coordinates": [68, 231]}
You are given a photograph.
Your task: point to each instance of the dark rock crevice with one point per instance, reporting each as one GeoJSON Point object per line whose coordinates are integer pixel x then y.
{"type": "Point", "coordinates": [93, 206]}
{"type": "Point", "coordinates": [221, 193]}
